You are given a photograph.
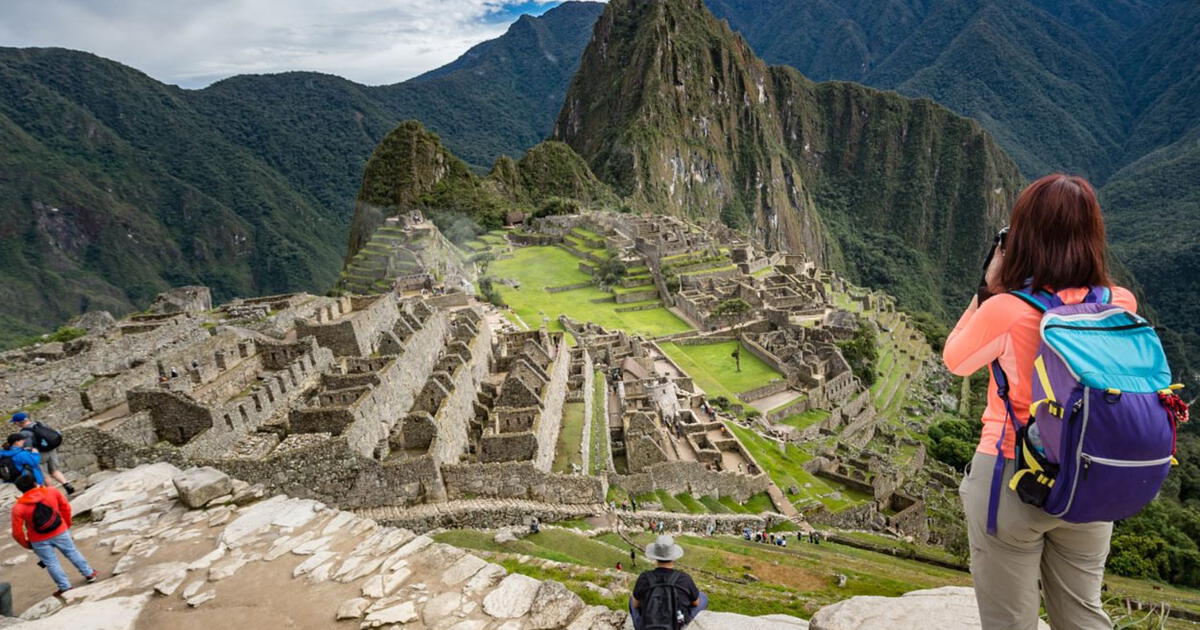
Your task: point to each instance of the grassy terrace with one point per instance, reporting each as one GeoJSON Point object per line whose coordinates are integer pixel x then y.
{"type": "Point", "coordinates": [713, 369]}
{"type": "Point", "coordinates": [796, 580]}
{"type": "Point", "coordinates": [598, 456]}
{"type": "Point", "coordinates": [806, 419]}
{"type": "Point", "coordinates": [539, 267]}
{"type": "Point", "coordinates": [786, 468]}
{"type": "Point", "coordinates": [569, 449]}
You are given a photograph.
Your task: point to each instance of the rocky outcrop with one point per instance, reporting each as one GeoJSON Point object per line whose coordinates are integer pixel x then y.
{"type": "Point", "coordinates": [945, 607]}
{"type": "Point", "coordinates": [198, 486]}
{"type": "Point", "coordinates": [285, 559]}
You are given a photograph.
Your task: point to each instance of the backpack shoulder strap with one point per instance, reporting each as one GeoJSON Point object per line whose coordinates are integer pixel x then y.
{"type": "Point", "coordinates": [998, 470]}
{"type": "Point", "coordinates": [1041, 299]}
{"type": "Point", "coordinates": [1098, 295]}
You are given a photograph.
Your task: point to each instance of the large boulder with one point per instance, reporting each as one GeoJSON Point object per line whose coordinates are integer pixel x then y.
{"type": "Point", "coordinates": [945, 607]}
{"type": "Point", "coordinates": [709, 620]}
{"type": "Point", "coordinates": [183, 300]}
{"type": "Point", "coordinates": [198, 486]}
{"type": "Point", "coordinates": [512, 598]}
{"type": "Point", "coordinates": [553, 606]}
{"type": "Point", "coordinates": [95, 322]}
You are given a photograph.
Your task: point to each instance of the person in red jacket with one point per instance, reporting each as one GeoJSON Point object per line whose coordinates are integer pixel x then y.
{"type": "Point", "coordinates": [41, 521]}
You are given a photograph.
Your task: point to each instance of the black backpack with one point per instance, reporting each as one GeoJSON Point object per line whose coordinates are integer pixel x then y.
{"type": "Point", "coordinates": [661, 610]}
{"type": "Point", "coordinates": [46, 439]}
{"type": "Point", "coordinates": [45, 518]}
{"type": "Point", "coordinates": [9, 470]}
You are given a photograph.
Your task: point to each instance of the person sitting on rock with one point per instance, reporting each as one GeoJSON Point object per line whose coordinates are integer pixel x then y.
{"type": "Point", "coordinates": [45, 441]}
{"type": "Point", "coordinates": [41, 521]}
{"type": "Point", "coordinates": [17, 461]}
{"type": "Point", "coordinates": [665, 597]}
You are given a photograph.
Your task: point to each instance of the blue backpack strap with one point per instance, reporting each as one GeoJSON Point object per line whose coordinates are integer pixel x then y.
{"type": "Point", "coordinates": [998, 470]}
{"type": "Point", "coordinates": [1040, 299]}
{"type": "Point", "coordinates": [1098, 295]}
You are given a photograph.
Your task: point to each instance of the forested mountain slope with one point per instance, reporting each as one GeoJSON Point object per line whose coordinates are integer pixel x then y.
{"type": "Point", "coordinates": [114, 186]}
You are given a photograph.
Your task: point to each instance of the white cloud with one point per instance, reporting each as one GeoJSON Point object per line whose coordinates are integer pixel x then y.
{"type": "Point", "coordinates": [195, 42]}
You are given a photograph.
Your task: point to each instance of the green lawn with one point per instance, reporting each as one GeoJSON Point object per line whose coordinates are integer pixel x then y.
{"type": "Point", "coordinates": [786, 468]}
{"type": "Point", "coordinates": [712, 368]}
{"type": "Point", "coordinates": [539, 267]}
{"type": "Point", "coordinates": [806, 419]}
{"type": "Point", "coordinates": [570, 439]}
{"type": "Point", "coordinates": [598, 457]}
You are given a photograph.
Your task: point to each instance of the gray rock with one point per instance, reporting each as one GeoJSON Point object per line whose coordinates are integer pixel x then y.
{"type": "Point", "coordinates": [709, 620]}
{"type": "Point", "coordinates": [553, 606]}
{"type": "Point", "coordinates": [945, 607]}
{"type": "Point", "coordinates": [198, 486]}
{"type": "Point", "coordinates": [512, 598]}
{"type": "Point", "coordinates": [116, 613]}
{"type": "Point", "coordinates": [402, 613]}
{"type": "Point", "coordinates": [44, 608]}
{"type": "Point", "coordinates": [352, 608]}
{"type": "Point", "coordinates": [441, 607]}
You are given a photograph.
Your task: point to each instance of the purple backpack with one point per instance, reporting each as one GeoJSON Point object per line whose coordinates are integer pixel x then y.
{"type": "Point", "coordinates": [1101, 432]}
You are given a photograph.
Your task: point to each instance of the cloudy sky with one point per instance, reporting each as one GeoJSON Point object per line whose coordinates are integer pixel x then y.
{"type": "Point", "coordinates": [195, 42]}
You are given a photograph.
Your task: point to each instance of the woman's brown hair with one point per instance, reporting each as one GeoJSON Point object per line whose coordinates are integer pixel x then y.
{"type": "Point", "coordinates": [1056, 237]}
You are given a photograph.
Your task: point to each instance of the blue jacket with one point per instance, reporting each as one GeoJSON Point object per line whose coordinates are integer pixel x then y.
{"type": "Point", "coordinates": [26, 460]}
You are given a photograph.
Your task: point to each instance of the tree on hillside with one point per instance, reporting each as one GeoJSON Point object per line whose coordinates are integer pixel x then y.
{"type": "Point", "coordinates": [861, 352]}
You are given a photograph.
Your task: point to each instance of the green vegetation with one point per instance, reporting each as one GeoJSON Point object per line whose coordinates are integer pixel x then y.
{"type": "Point", "coordinates": [806, 419]}
{"type": "Point", "coordinates": [712, 367]}
{"type": "Point", "coordinates": [785, 464]}
{"type": "Point", "coordinates": [861, 352]}
{"type": "Point", "coordinates": [535, 268]}
{"type": "Point", "coordinates": [570, 439]}
{"type": "Point", "coordinates": [598, 456]}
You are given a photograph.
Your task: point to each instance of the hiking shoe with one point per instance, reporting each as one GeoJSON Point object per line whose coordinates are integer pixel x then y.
{"type": "Point", "coordinates": [69, 488]}
{"type": "Point", "coordinates": [59, 592]}
{"type": "Point", "coordinates": [93, 577]}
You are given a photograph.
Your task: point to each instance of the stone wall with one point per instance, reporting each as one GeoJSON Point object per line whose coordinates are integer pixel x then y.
{"type": "Point", "coordinates": [694, 478]}
{"type": "Point", "coordinates": [589, 382]}
{"type": "Point", "coordinates": [368, 420]}
{"type": "Point", "coordinates": [520, 480]}
{"type": "Point", "coordinates": [549, 424]}
{"type": "Point", "coordinates": [354, 332]}
{"type": "Point", "coordinates": [770, 389]}
{"type": "Point", "coordinates": [675, 523]}
{"type": "Point", "coordinates": [457, 410]}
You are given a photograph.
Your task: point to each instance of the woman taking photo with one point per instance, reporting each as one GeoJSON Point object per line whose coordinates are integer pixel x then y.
{"type": "Point", "coordinates": [1056, 242]}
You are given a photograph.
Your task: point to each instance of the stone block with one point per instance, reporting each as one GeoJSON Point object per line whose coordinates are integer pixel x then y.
{"type": "Point", "coordinates": [198, 486]}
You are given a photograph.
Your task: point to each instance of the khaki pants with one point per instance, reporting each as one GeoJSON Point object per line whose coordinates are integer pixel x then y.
{"type": "Point", "coordinates": [1030, 544]}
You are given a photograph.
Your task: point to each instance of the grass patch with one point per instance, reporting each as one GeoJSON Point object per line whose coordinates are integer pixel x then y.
{"type": "Point", "coordinates": [713, 369]}
{"type": "Point", "coordinates": [691, 504]}
{"type": "Point", "coordinates": [598, 456]}
{"type": "Point", "coordinates": [786, 467]}
{"type": "Point", "coordinates": [806, 419]}
{"type": "Point", "coordinates": [538, 267]}
{"type": "Point", "coordinates": [570, 439]}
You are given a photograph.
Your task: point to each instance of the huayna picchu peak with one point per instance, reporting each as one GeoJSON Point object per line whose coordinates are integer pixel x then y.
{"type": "Point", "coordinates": [674, 111]}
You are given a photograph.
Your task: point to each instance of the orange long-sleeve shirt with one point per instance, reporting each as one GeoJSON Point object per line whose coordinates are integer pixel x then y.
{"type": "Point", "coordinates": [1007, 328]}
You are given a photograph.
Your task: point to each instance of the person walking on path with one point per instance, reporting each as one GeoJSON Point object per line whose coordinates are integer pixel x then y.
{"type": "Point", "coordinates": [17, 461]}
{"type": "Point", "coordinates": [665, 597]}
{"type": "Point", "coordinates": [1055, 244]}
{"type": "Point", "coordinates": [41, 521]}
{"type": "Point", "coordinates": [45, 441]}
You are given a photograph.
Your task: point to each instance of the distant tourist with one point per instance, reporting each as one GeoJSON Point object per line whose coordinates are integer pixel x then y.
{"type": "Point", "coordinates": [16, 461]}
{"type": "Point", "coordinates": [665, 597]}
{"type": "Point", "coordinates": [45, 441]}
{"type": "Point", "coordinates": [1055, 252]}
{"type": "Point", "coordinates": [41, 521]}
{"type": "Point", "coordinates": [535, 526]}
